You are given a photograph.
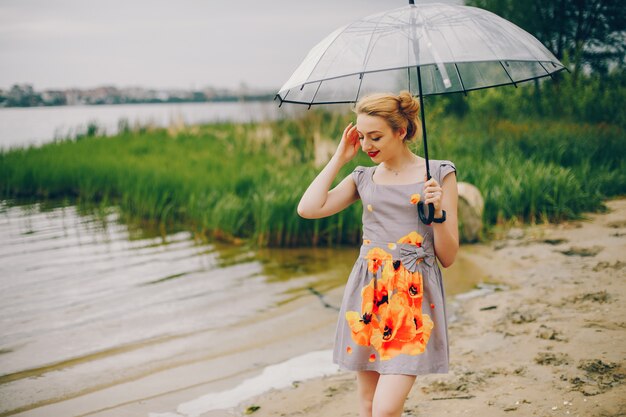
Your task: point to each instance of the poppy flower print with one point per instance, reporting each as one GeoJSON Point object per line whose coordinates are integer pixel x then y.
{"type": "Point", "coordinates": [412, 238]}
{"type": "Point", "coordinates": [395, 328]}
{"type": "Point", "coordinates": [411, 284]}
{"type": "Point", "coordinates": [375, 258]}
{"type": "Point", "coordinates": [375, 294]}
{"type": "Point", "coordinates": [391, 319]}
{"type": "Point", "coordinates": [362, 326]}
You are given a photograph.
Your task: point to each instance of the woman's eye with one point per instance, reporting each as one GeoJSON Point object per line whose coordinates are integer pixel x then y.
{"type": "Point", "coordinates": [375, 138]}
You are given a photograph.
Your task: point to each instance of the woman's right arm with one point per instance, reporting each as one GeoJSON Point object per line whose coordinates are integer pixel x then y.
{"type": "Point", "coordinates": [317, 201]}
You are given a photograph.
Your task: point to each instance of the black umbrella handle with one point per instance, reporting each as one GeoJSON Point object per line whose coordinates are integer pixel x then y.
{"type": "Point", "coordinates": [426, 219]}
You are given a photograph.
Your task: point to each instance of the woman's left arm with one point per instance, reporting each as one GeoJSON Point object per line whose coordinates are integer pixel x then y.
{"type": "Point", "coordinates": [446, 234]}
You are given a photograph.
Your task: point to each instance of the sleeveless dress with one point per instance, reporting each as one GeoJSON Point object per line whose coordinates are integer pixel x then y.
{"type": "Point", "coordinates": [393, 315]}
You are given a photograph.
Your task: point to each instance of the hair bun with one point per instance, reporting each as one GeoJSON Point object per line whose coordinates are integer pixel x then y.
{"type": "Point", "coordinates": [408, 104]}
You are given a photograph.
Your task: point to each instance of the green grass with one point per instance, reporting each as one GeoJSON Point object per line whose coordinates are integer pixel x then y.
{"type": "Point", "coordinates": [540, 171]}
{"type": "Point", "coordinates": [243, 181]}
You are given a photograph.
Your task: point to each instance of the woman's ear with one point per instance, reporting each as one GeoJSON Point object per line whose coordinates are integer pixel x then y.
{"type": "Point", "coordinates": [402, 133]}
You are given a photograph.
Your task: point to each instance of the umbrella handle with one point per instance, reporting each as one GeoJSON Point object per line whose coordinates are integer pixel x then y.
{"type": "Point", "coordinates": [431, 212]}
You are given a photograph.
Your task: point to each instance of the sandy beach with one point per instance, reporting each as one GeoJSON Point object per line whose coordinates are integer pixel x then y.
{"type": "Point", "coordinates": [549, 341]}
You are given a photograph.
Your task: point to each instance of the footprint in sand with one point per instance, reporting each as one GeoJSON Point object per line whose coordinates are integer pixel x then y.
{"type": "Point", "coordinates": [596, 297]}
{"type": "Point", "coordinates": [548, 333]}
{"type": "Point", "coordinates": [519, 317]}
{"type": "Point", "coordinates": [578, 251]}
{"type": "Point", "coordinates": [599, 376]}
{"type": "Point", "coordinates": [600, 266]}
{"type": "Point", "coordinates": [554, 359]}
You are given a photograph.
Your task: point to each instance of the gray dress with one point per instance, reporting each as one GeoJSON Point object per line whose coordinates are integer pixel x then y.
{"type": "Point", "coordinates": [393, 315]}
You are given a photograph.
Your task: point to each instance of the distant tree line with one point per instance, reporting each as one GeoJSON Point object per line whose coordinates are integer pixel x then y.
{"type": "Point", "coordinates": [24, 95]}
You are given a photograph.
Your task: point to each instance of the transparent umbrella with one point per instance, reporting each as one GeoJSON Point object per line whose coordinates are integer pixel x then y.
{"type": "Point", "coordinates": [427, 49]}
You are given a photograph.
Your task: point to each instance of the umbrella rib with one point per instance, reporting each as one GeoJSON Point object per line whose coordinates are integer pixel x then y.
{"type": "Point", "coordinates": [507, 73]}
{"type": "Point", "coordinates": [370, 42]}
{"type": "Point", "coordinates": [358, 90]}
{"type": "Point", "coordinates": [544, 68]}
{"type": "Point", "coordinates": [501, 22]}
{"type": "Point", "coordinates": [460, 79]}
{"type": "Point", "coordinates": [282, 99]}
{"type": "Point", "coordinates": [523, 34]}
{"type": "Point", "coordinates": [484, 41]}
{"type": "Point", "coordinates": [408, 73]}
{"type": "Point", "coordinates": [327, 48]}
{"type": "Point", "coordinates": [314, 95]}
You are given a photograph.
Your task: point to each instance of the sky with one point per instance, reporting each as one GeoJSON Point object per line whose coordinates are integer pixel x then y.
{"type": "Point", "coordinates": [187, 44]}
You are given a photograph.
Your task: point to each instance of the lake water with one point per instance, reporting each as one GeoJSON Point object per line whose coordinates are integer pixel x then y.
{"type": "Point", "coordinates": [86, 303]}
{"type": "Point", "coordinates": [21, 127]}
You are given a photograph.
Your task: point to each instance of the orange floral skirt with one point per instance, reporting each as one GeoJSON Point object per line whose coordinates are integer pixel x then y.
{"type": "Point", "coordinates": [392, 303]}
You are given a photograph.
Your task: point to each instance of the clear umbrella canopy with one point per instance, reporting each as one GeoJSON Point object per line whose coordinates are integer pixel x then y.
{"type": "Point", "coordinates": [457, 49]}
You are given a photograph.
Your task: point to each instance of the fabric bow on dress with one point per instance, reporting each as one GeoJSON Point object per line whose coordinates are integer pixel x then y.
{"type": "Point", "coordinates": [410, 255]}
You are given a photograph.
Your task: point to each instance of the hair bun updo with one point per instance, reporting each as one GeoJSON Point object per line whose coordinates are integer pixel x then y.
{"type": "Point", "coordinates": [410, 106]}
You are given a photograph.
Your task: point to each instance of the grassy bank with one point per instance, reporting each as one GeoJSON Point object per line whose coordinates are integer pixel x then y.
{"type": "Point", "coordinates": [244, 181]}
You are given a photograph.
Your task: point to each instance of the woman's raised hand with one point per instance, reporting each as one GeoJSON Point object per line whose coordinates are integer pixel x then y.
{"type": "Point", "coordinates": [349, 145]}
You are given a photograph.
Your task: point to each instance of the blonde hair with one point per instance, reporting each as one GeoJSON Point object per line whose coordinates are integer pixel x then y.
{"type": "Point", "coordinates": [398, 110]}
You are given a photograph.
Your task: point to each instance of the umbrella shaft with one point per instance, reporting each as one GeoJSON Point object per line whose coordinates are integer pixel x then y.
{"type": "Point", "coordinates": [419, 85]}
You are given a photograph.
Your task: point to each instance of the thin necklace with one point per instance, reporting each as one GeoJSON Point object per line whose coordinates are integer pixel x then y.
{"type": "Point", "coordinates": [398, 171]}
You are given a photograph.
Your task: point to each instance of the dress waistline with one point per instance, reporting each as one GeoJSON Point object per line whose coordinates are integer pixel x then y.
{"type": "Point", "coordinates": [412, 256]}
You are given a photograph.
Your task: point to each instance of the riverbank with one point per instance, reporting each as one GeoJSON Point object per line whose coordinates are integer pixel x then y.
{"type": "Point", "coordinates": [550, 344]}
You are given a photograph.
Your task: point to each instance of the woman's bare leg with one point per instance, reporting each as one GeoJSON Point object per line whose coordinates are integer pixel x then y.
{"type": "Point", "coordinates": [366, 386]}
{"type": "Point", "coordinates": [390, 395]}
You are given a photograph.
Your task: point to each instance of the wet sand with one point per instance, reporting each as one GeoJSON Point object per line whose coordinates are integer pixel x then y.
{"type": "Point", "coordinates": [550, 343]}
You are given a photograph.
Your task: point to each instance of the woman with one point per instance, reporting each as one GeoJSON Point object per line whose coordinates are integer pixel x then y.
{"type": "Point", "coordinates": [392, 322]}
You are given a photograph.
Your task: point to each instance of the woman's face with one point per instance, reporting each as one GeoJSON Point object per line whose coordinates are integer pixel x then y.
{"type": "Point", "coordinates": [377, 138]}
